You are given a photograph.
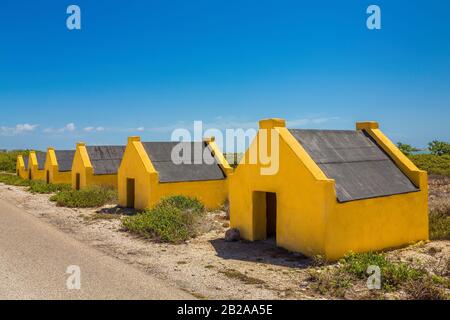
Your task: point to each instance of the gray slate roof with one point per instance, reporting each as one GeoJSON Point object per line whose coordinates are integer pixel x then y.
{"type": "Point", "coordinates": [65, 159]}
{"type": "Point", "coordinates": [356, 162]}
{"type": "Point", "coordinates": [105, 159]}
{"type": "Point", "coordinates": [41, 159]}
{"type": "Point", "coordinates": [168, 171]}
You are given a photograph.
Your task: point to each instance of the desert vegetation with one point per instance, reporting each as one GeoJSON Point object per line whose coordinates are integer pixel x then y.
{"type": "Point", "coordinates": [47, 188]}
{"type": "Point", "coordinates": [63, 194]}
{"type": "Point", "coordinates": [8, 159]}
{"type": "Point", "coordinates": [435, 161]}
{"type": "Point", "coordinates": [414, 281]}
{"type": "Point", "coordinates": [174, 219]}
{"type": "Point", "coordinates": [90, 197]}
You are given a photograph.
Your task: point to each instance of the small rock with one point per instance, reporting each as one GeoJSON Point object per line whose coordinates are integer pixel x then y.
{"type": "Point", "coordinates": [232, 235]}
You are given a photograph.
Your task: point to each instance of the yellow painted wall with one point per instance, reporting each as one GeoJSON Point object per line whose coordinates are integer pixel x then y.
{"type": "Point", "coordinates": [148, 191]}
{"type": "Point", "coordinates": [33, 167]}
{"type": "Point", "coordinates": [376, 224]}
{"type": "Point", "coordinates": [136, 165]}
{"type": "Point", "coordinates": [82, 165]}
{"type": "Point", "coordinates": [309, 218]}
{"type": "Point", "coordinates": [212, 194]}
{"type": "Point", "coordinates": [21, 171]}
{"type": "Point", "coordinates": [51, 169]}
{"type": "Point", "coordinates": [385, 222]}
{"type": "Point", "coordinates": [300, 215]}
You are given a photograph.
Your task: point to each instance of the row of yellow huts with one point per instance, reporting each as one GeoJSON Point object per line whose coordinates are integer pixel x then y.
{"type": "Point", "coordinates": [334, 191]}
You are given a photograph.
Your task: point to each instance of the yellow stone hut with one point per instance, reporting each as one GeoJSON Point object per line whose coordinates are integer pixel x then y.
{"type": "Point", "coordinates": [58, 166]}
{"type": "Point", "coordinates": [36, 165]}
{"type": "Point", "coordinates": [96, 165]}
{"type": "Point", "coordinates": [147, 173]}
{"type": "Point", "coordinates": [22, 167]}
{"type": "Point", "coordinates": [333, 191]}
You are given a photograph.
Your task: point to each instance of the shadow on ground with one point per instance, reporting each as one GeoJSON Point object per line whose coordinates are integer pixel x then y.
{"type": "Point", "coordinates": [260, 252]}
{"type": "Point", "coordinates": [118, 211]}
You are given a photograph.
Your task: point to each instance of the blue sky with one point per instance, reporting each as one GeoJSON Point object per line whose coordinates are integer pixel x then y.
{"type": "Point", "coordinates": [145, 69]}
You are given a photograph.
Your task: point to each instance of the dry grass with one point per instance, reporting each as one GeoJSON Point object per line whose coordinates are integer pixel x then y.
{"type": "Point", "coordinates": [439, 205]}
{"type": "Point", "coordinates": [237, 275]}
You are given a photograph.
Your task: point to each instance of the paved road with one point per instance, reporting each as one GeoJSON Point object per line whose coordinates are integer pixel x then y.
{"type": "Point", "coordinates": [34, 258]}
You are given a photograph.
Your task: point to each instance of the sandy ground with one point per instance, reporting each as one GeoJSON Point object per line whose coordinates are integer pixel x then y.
{"type": "Point", "coordinates": [207, 266]}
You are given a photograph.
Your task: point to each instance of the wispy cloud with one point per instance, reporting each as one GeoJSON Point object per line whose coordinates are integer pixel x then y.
{"type": "Point", "coordinates": [223, 123]}
{"type": "Point", "coordinates": [70, 127]}
{"type": "Point", "coordinates": [18, 129]}
{"type": "Point", "coordinates": [94, 129]}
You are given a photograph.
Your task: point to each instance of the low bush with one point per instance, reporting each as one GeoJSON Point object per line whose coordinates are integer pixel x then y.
{"type": "Point", "coordinates": [46, 188]}
{"type": "Point", "coordinates": [439, 224]}
{"type": "Point", "coordinates": [434, 164]}
{"type": "Point", "coordinates": [13, 180]}
{"type": "Point", "coordinates": [175, 219]}
{"type": "Point", "coordinates": [8, 159]}
{"type": "Point", "coordinates": [393, 274]}
{"type": "Point", "coordinates": [183, 203]}
{"type": "Point", "coordinates": [90, 197]}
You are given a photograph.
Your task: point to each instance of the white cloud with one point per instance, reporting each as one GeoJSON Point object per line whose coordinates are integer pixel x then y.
{"type": "Point", "coordinates": [70, 127]}
{"type": "Point", "coordinates": [18, 129]}
{"type": "Point", "coordinates": [94, 129]}
{"type": "Point", "coordinates": [223, 123]}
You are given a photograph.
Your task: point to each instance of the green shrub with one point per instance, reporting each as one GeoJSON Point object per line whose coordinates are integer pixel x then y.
{"type": "Point", "coordinates": [183, 203]}
{"type": "Point", "coordinates": [393, 275]}
{"type": "Point", "coordinates": [439, 148]}
{"type": "Point", "coordinates": [417, 283]}
{"type": "Point", "coordinates": [439, 224]}
{"type": "Point", "coordinates": [90, 197]}
{"type": "Point", "coordinates": [174, 219]}
{"type": "Point", "coordinates": [432, 163]}
{"type": "Point", "coordinates": [8, 159]}
{"type": "Point", "coordinates": [407, 149]}
{"type": "Point", "coordinates": [13, 180]}
{"type": "Point", "coordinates": [46, 188]}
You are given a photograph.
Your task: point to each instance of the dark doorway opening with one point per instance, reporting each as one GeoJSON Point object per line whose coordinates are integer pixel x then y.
{"type": "Point", "coordinates": [48, 177]}
{"type": "Point", "coordinates": [30, 175]}
{"type": "Point", "coordinates": [130, 193]}
{"type": "Point", "coordinates": [271, 214]}
{"type": "Point", "coordinates": [77, 181]}
{"type": "Point", "coordinates": [264, 215]}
